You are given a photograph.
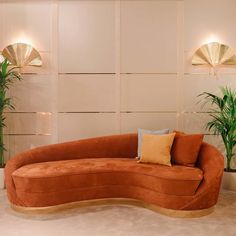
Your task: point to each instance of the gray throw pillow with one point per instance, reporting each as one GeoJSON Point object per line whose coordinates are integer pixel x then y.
{"type": "Point", "coordinates": [141, 132]}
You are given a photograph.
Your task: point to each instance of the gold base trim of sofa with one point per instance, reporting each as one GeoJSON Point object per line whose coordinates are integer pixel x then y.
{"type": "Point", "coordinates": [113, 201]}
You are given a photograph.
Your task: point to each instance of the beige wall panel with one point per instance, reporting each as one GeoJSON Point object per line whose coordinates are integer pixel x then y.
{"type": "Point", "coordinates": [148, 92]}
{"type": "Point", "coordinates": [87, 36]}
{"type": "Point", "coordinates": [149, 36]}
{"type": "Point", "coordinates": [28, 123]}
{"type": "Point", "coordinates": [130, 122]}
{"type": "Point", "coordinates": [194, 122]}
{"type": "Point", "coordinates": [20, 123]}
{"type": "Point", "coordinates": [73, 126]}
{"type": "Point", "coordinates": [87, 93]}
{"type": "Point", "coordinates": [205, 21]}
{"type": "Point", "coordinates": [20, 143]}
{"type": "Point", "coordinates": [193, 85]}
{"type": "Point", "coordinates": [33, 93]}
{"type": "Point", "coordinates": [29, 23]}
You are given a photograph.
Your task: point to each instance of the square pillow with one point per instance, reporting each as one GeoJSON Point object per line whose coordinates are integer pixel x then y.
{"type": "Point", "coordinates": [185, 148]}
{"type": "Point", "coordinates": [156, 149]}
{"type": "Point", "coordinates": [141, 132]}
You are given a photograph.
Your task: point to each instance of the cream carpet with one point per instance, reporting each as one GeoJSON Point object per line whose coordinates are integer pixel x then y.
{"type": "Point", "coordinates": [119, 220]}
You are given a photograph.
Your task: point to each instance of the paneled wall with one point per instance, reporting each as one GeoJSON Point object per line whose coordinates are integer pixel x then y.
{"type": "Point", "coordinates": [31, 125]}
{"type": "Point", "coordinates": [112, 66]}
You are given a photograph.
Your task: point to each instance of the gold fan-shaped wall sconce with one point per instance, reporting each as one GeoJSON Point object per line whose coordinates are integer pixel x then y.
{"type": "Point", "coordinates": [22, 54]}
{"type": "Point", "coordinates": [214, 54]}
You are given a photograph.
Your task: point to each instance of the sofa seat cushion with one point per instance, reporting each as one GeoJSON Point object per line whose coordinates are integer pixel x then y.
{"type": "Point", "coordinates": [80, 174]}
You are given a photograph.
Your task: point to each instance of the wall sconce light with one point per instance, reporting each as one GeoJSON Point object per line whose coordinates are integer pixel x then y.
{"type": "Point", "coordinates": [214, 54]}
{"type": "Point", "coordinates": [22, 54]}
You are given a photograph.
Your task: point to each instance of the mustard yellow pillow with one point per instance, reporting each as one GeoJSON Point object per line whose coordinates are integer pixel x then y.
{"type": "Point", "coordinates": [156, 149]}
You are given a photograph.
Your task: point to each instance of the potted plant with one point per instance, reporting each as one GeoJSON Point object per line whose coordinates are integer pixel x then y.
{"type": "Point", "coordinates": [7, 77]}
{"type": "Point", "coordinates": [223, 123]}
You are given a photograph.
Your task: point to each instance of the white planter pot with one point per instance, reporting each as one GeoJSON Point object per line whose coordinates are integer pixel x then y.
{"type": "Point", "coordinates": [2, 184]}
{"type": "Point", "coordinates": [229, 181]}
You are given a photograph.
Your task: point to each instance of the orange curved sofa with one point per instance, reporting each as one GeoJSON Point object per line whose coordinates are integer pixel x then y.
{"type": "Point", "coordinates": [105, 167]}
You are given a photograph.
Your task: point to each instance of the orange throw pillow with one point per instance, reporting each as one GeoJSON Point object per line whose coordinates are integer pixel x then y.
{"type": "Point", "coordinates": [185, 148]}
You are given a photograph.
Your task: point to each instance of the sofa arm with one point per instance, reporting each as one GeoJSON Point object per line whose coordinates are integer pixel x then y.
{"type": "Point", "coordinates": [211, 162]}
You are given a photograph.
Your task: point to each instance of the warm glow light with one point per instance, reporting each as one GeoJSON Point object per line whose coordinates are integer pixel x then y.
{"type": "Point", "coordinates": [210, 39]}
{"type": "Point", "coordinates": [44, 113]}
{"type": "Point", "coordinates": [22, 39]}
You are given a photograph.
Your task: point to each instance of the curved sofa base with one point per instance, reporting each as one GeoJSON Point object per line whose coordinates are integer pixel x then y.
{"type": "Point", "coordinates": [110, 201]}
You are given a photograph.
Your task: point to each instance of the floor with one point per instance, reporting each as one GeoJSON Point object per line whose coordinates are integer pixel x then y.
{"type": "Point", "coordinates": [119, 220]}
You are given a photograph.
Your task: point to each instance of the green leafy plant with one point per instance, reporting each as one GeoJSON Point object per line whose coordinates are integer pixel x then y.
{"type": "Point", "coordinates": [223, 122]}
{"type": "Point", "coordinates": [7, 77]}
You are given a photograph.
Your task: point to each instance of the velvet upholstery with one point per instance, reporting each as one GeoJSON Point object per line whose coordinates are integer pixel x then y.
{"type": "Point", "coordinates": [72, 175]}
{"type": "Point", "coordinates": [105, 167]}
{"type": "Point", "coordinates": [185, 148]}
